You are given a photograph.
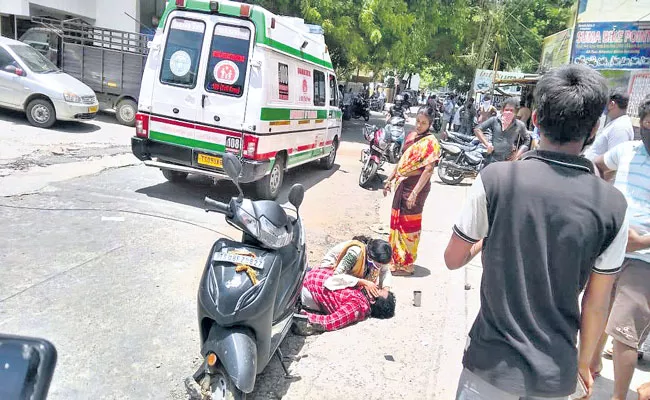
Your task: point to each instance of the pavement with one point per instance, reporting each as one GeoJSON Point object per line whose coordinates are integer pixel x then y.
{"type": "Point", "coordinates": [102, 256]}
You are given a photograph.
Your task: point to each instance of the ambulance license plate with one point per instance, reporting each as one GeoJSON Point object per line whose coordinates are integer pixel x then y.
{"type": "Point", "coordinates": [210, 161]}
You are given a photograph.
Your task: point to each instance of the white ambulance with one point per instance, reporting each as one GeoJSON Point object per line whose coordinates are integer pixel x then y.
{"type": "Point", "coordinates": [224, 76]}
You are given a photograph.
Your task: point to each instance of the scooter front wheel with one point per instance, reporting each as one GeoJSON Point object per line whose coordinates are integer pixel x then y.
{"type": "Point", "coordinates": [220, 387]}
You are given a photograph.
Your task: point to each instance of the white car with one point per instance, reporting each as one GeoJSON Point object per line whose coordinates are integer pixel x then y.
{"type": "Point", "coordinates": [29, 82]}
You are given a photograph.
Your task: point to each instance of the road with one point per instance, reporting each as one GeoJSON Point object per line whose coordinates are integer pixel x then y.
{"type": "Point", "coordinates": [102, 256]}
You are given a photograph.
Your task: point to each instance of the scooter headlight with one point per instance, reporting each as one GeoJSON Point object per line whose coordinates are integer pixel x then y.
{"type": "Point", "coordinates": [273, 236]}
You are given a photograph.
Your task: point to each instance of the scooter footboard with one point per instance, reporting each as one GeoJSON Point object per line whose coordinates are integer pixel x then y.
{"type": "Point", "coordinates": [236, 350]}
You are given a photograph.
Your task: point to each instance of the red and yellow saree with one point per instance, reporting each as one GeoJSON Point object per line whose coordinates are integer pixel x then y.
{"type": "Point", "coordinates": [406, 223]}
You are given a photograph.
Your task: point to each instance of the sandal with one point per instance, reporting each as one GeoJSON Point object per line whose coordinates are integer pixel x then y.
{"type": "Point", "coordinates": [402, 271]}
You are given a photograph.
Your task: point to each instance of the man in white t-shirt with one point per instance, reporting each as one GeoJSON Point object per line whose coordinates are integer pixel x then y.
{"type": "Point", "coordinates": [629, 321]}
{"type": "Point", "coordinates": [619, 128]}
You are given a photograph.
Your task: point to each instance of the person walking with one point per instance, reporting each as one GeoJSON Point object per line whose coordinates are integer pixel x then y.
{"type": "Point", "coordinates": [468, 114]}
{"type": "Point", "coordinates": [411, 181]}
{"type": "Point", "coordinates": [486, 110]}
{"type": "Point", "coordinates": [448, 112]}
{"type": "Point", "coordinates": [629, 321]}
{"type": "Point", "coordinates": [619, 128]}
{"type": "Point", "coordinates": [543, 241]}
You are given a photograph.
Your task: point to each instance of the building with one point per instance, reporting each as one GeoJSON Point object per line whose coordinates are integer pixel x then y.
{"type": "Point", "coordinates": [124, 15]}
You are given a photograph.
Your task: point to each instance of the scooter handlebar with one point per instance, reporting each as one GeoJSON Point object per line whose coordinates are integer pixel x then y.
{"type": "Point", "coordinates": [218, 206]}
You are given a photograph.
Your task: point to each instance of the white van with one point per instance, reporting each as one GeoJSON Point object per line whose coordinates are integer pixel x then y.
{"type": "Point", "coordinates": [223, 76]}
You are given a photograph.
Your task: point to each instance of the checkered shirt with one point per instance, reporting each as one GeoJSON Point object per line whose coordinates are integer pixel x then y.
{"type": "Point", "coordinates": [344, 306]}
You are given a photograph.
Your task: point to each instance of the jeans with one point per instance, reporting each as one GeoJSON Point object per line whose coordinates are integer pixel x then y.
{"type": "Point", "coordinates": [471, 387]}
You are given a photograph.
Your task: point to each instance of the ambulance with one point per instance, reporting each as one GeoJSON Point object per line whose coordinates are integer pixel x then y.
{"type": "Point", "coordinates": [224, 76]}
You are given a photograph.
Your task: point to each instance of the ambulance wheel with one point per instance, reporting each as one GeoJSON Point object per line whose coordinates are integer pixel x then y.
{"type": "Point", "coordinates": [269, 187]}
{"type": "Point", "coordinates": [328, 162]}
{"type": "Point", "coordinates": [174, 176]}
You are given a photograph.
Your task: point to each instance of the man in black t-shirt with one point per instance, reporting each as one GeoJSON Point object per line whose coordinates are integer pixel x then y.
{"type": "Point", "coordinates": [547, 227]}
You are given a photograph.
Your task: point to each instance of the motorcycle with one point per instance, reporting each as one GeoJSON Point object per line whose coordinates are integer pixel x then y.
{"type": "Point", "coordinates": [360, 108]}
{"type": "Point", "coordinates": [461, 138]}
{"type": "Point", "coordinates": [249, 291]}
{"type": "Point", "coordinates": [374, 157]}
{"type": "Point", "coordinates": [377, 104]}
{"type": "Point", "coordinates": [458, 161]}
{"type": "Point", "coordinates": [346, 109]}
{"type": "Point", "coordinates": [395, 131]}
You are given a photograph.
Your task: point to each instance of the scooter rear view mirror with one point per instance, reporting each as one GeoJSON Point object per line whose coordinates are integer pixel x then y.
{"type": "Point", "coordinates": [27, 367]}
{"type": "Point", "coordinates": [233, 168]}
{"type": "Point", "coordinates": [296, 195]}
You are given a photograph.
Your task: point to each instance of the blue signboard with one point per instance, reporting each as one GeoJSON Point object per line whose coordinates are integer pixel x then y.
{"type": "Point", "coordinates": [612, 45]}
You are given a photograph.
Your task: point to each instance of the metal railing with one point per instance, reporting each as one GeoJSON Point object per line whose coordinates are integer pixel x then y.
{"type": "Point", "coordinates": [78, 31]}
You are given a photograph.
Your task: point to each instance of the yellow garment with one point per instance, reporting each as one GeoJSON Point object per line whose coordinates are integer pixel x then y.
{"type": "Point", "coordinates": [359, 268]}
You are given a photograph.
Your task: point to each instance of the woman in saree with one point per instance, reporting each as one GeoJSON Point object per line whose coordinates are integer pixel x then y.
{"type": "Point", "coordinates": [411, 181]}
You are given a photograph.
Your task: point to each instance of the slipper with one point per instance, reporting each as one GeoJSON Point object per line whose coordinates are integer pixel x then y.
{"type": "Point", "coordinates": [402, 272]}
{"type": "Point", "coordinates": [608, 352]}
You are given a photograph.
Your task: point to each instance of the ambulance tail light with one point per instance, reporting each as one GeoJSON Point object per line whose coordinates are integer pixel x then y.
{"type": "Point", "coordinates": [250, 146]}
{"type": "Point", "coordinates": [180, 3]}
{"type": "Point", "coordinates": [245, 10]}
{"type": "Point", "coordinates": [142, 125]}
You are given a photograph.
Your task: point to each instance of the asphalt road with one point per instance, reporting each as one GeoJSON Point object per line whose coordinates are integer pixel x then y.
{"type": "Point", "coordinates": [104, 258]}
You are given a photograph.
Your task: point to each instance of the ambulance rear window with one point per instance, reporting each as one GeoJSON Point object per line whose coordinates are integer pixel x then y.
{"type": "Point", "coordinates": [180, 64]}
{"type": "Point", "coordinates": [228, 60]}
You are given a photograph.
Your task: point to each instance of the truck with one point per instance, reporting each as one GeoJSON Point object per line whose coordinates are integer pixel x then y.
{"type": "Point", "coordinates": [109, 61]}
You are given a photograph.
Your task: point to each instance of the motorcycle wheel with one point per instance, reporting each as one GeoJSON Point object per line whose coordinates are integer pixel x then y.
{"type": "Point", "coordinates": [447, 176]}
{"type": "Point", "coordinates": [221, 387]}
{"type": "Point", "coordinates": [366, 117]}
{"type": "Point", "coordinates": [367, 173]}
{"type": "Point", "coordinates": [396, 154]}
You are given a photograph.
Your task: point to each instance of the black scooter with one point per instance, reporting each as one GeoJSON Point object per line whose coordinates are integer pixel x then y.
{"type": "Point", "coordinates": [248, 293]}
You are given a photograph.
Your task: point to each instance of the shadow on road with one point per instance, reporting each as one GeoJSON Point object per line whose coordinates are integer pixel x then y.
{"type": "Point", "coordinates": [272, 383]}
{"type": "Point", "coordinates": [19, 118]}
{"type": "Point", "coordinates": [196, 188]}
{"type": "Point", "coordinates": [418, 272]}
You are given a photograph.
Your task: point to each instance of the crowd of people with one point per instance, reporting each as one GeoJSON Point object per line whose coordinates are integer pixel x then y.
{"type": "Point", "coordinates": [570, 219]}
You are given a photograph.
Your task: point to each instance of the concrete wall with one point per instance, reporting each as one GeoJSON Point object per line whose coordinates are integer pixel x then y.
{"type": "Point", "coordinates": [17, 7]}
{"type": "Point", "coordinates": [110, 14]}
{"type": "Point", "coordinates": [104, 13]}
{"type": "Point", "coordinates": [82, 8]}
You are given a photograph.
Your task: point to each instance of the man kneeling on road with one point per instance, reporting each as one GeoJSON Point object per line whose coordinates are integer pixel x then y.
{"type": "Point", "coordinates": [339, 307]}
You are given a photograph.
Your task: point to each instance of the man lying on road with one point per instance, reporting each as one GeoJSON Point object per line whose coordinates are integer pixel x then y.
{"type": "Point", "coordinates": [339, 308]}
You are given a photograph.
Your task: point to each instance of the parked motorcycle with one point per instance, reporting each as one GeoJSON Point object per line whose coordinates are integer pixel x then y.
{"type": "Point", "coordinates": [346, 108]}
{"type": "Point", "coordinates": [458, 161]}
{"type": "Point", "coordinates": [461, 138]}
{"type": "Point", "coordinates": [249, 291]}
{"type": "Point", "coordinates": [374, 157]}
{"type": "Point", "coordinates": [377, 104]}
{"type": "Point", "coordinates": [360, 108]}
{"type": "Point", "coordinates": [395, 132]}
